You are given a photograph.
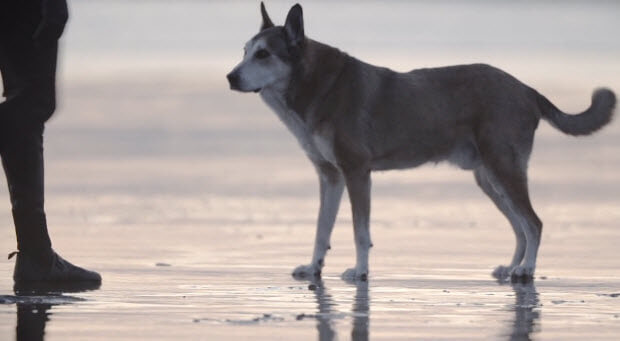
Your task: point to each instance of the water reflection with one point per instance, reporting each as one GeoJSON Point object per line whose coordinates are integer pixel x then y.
{"type": "Point", "coordinates": [526, 310]}
{"type": "Point", "coordinates": [327, 315]}
{"type": "Point", "coordinates": [31, 320]}
{"type": "Point", "coordinates": [524, 326]}
{"type": "Point", "coordinates": [34, 303]}
{"type": "Point", "coordinates": [361, 316]}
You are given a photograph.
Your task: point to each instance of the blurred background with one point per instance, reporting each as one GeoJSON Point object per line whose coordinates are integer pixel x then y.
{"type": "Point", "coordinates": [152, 161]}
{"type": "Point", "coordinates": [146, 79]}
{"type": "Point", "coordinates": [147, 131]}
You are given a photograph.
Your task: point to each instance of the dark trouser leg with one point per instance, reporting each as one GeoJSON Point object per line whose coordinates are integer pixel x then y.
{"type": "Point", "coordinates": [22, 159]}
{"type": "Point", "coordinates": [28, 75]}
{"type": "Point", "coordinates": [29, 70]}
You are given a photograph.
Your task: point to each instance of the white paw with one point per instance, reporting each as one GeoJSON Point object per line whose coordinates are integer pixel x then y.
{"type": "Point", "coordinates": [502, 271]}
{"type": "Point", "coordinates": [307, 271]}
{"type": "Point", "coordinates": [354, 274]}
{"type": "Point", "coordinates": [523, 272]}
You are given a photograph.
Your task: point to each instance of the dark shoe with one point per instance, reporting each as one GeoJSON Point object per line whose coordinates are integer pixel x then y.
{"type": "Point", "coordinates": [53, 289]}
{"type": "Point", "coordinates": [31, 269]}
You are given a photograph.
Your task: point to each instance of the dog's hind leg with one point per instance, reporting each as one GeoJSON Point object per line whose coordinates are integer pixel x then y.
{"type": "Point", "coordinates": [502, 204]}
{"type": "Point", "coordinates": [331, 187]}
{"type": "Point", "coordinates": [507, 177]}
{"type": "Point", "coordinates": [358, 187]}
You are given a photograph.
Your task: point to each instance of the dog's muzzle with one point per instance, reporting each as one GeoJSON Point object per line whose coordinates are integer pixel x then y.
{"type": "Point", "coordinates": [233, 80]}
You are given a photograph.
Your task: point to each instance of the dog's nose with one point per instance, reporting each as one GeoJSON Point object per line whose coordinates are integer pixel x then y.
{"type": "Point", "coordinates": [233, 79]}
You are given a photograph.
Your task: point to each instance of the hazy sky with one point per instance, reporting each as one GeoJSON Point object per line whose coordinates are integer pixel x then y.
{"type": "Point", "coordinates": [126, 36]}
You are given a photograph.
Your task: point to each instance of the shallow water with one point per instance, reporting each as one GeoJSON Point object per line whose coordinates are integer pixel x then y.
{"type": "Point", "coordinates": [195, 204]}
{"type": "Point", "coordinates": [219, 280]}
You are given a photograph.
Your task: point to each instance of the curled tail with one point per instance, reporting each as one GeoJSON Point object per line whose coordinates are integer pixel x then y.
{"type": "Point", "coordinates": [594, 118]}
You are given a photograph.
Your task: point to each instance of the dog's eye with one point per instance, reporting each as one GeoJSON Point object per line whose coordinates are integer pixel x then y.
{"type": "Point", "coordinates": [261, 54]}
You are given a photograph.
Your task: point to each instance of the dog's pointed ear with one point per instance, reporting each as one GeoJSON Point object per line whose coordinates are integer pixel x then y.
{"type": "Point", "coordinates": [294, 26]}
{"type": "Point", "coordinates": [267, 23]}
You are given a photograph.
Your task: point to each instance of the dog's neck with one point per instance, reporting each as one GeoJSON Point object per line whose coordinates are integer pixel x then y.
{"type": "Point", "coordinates": [313, 77]}
{"type": "Point", "coordinates": [297, 101]}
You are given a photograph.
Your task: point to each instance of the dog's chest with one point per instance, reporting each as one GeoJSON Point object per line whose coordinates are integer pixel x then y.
{"type": "Point", "coordinates": [318, 145]}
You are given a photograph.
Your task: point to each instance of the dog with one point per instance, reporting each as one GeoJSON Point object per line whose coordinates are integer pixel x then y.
{"type": "Point", "coordinates": [352, 118]}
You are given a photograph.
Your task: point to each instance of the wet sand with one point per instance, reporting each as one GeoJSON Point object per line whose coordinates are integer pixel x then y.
{"type": "Point", "coordinates": [202, 291]}
{"type": "Point", "coordinates": [196, 228]}
{"type": "Point", "coordinates": [195, 205]}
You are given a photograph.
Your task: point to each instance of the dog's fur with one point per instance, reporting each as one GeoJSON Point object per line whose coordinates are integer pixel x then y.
{"type": "Point", "coordinates": [352, 118]}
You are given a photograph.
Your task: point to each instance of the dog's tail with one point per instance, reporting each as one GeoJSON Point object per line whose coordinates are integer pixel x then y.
{"type": "Point", "coordinates": [594, 118]}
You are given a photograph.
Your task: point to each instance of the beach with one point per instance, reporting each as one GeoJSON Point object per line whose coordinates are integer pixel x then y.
{"type": "Point", "coordinates": [195, 204]}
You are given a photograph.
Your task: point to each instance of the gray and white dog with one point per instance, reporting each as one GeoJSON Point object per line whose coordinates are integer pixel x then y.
{"type": "Point", "coordinates": [352, 118]}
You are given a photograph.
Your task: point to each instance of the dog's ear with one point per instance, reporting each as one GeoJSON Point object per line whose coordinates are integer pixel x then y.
{"type": "Point", "coordinates": [267, 23]}
{"type": "Point", "coordinates": [294, 27]}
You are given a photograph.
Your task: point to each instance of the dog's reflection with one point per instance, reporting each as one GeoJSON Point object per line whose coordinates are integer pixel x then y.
{"type": "Point", "coordinates": [526, 310]}
{"type": "Point", "coordinates": [361, 315]}
{"type": "Point", "coordinates": [327, 314]}
{"type": "Point", "coordinates": [524, 325]}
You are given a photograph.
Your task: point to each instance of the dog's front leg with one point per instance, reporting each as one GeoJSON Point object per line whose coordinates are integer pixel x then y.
{"type": "Point", "coordinates": [331, 187]}
{"type": "Point", "coordinates": [358, 186]}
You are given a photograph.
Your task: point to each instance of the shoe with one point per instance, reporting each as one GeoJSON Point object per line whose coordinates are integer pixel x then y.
{"type": "Point", "coordinates": [52, 290]}
{"type": "Point", "coordinates": [57, 270]}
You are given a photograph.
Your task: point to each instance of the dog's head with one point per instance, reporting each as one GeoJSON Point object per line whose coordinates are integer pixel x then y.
{"type": "Point", "coordinates": [270, 55]}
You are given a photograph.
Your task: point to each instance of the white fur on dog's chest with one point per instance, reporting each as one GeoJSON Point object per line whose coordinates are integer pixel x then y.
{"type": "Point", "coordinates": [325, 145]}
{"type": "Point", "coordinates": [317, 145]}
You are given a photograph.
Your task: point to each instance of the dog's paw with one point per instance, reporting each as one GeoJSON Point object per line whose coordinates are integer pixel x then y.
{"type": "Point", "coordinates": [353, 274]}
{"type": "Point", "coordinates": [307, 271]}
{"type": "Point", "coordinates": [502, 272]}
{"type": "Point", "coordinates": [522, 272]}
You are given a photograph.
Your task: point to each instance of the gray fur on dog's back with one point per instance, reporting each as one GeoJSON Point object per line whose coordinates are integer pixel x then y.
{"type": "Point", "coordinates": [433, 114]}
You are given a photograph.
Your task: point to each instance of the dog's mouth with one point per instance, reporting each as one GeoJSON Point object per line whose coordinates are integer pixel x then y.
{"type": "Point", "coordinates": [236, 88]}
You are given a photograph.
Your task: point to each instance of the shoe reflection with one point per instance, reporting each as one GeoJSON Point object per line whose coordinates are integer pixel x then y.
{"type": "Point", "coordinates": [526, 310]}
{"type": "Point", "coordinates": [34, 304]}
{"type": "Point", "coordinates": [327, 314]}
{"type": "Point", "coordinates": [31, 320]}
